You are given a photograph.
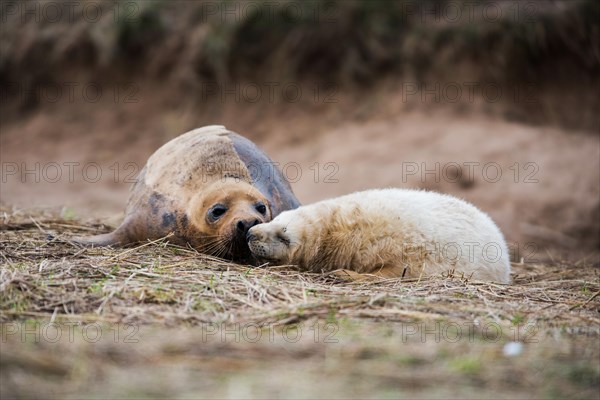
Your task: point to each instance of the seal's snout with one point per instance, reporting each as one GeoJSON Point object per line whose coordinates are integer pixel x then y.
{"type": "Point", "coordinates": [243, 226]}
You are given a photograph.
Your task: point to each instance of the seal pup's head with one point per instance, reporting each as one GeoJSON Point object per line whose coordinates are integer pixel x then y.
{"type": "Point", "coordinates": [224, 213]}
{"type": "Point", "coordinates": [290, 238]}
{"type": "Point", "coordinates": [318, 237]}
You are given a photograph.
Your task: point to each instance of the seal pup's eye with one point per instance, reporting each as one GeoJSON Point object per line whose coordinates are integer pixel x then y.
{"type": "Point", "coordinates": [283, 239]}
{"type": "Point", "coordinates": [216, 212]}
{"type": "Point", "coordinates": [261, 208]}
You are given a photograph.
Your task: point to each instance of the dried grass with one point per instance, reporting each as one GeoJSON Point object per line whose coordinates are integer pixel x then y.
{"type": "Point", "coordinates": [45, 276]}
{"type": "Point", "coordinates": [172, 295]}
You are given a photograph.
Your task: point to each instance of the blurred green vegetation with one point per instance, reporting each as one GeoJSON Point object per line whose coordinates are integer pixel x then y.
{"type": "Point", "coordinates": [135, 35]}
{"type": "Point", "coordinates": [353, 43]}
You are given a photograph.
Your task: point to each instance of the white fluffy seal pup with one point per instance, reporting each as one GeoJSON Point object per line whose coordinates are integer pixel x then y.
{"type": "Point", "coordinates": [388, 233]}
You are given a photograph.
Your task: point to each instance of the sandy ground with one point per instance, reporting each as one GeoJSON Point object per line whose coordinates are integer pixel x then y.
{"type": "Point", "coordinates": [540, 184]}
{"type": "Point", "coordinates": [158, 321]}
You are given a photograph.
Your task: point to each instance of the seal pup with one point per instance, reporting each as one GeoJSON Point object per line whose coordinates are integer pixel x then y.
{"type": "Point", "coordinates": [387, 233]}
{"type": "Point", "coordinates": [205, 188]}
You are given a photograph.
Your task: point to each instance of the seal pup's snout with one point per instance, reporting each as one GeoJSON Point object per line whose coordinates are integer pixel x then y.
{"type": "Point", "coordinates": [253, 235]}
{"type": "Point", "coordinates": [259, 249]}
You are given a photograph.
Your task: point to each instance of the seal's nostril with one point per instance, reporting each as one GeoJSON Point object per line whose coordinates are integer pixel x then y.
{"type": "Point", "coordinates": [250, 237]}
{"type": "Point", "coordinates": [241, 226]}
{"type": "Point", "coordinates": [244, 226]}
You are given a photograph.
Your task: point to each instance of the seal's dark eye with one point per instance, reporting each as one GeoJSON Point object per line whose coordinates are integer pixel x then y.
{"type": "Point", "coordinates": [216, 212]}
{"type": "Point", "coordinates": [283, 239]}
{"type": "Point", "coordinates": [261, 208]}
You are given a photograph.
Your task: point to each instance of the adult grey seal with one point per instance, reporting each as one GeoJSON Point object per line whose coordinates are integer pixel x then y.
{"type": "Point", "coordinates": [205, 188]}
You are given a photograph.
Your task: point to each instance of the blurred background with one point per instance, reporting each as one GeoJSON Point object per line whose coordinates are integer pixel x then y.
{"type": "Point", "coordinates": [496, 102]}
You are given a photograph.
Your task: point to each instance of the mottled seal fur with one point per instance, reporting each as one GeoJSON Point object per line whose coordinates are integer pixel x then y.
{"type": "Point", "coordinates": [389, 233]}
{"type": "Point", "coordinates": [205, 188]}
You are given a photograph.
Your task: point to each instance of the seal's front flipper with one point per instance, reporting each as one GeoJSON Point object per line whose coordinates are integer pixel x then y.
{"type": "Point", "coordinates": [385, 272]}
{"type": "Point", "coordinates": [347, 275]}
{"type": "Point", "coordinates": [107, 239]}
{"type": "Point", "coordinates": [121, 236]}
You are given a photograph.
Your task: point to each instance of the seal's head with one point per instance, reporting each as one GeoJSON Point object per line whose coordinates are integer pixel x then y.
{"type": "Point", "coordinates": [285, 240]}
{"type": "Point", "coordinates": [224, 213]}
